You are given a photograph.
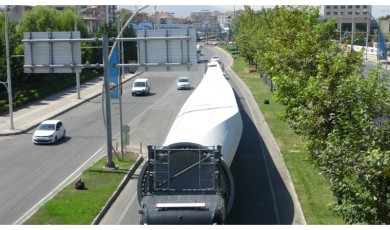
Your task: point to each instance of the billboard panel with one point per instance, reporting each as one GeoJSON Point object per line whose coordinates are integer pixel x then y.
{"type": "Point", "coordinates": [43, 54]}
{"type": "Point", "coordinates": [167, 49]}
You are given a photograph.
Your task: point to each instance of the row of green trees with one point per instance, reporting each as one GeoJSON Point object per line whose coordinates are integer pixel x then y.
{"type": "Point", "coordinates": [49, 19]}
{"type": "Point", "coordinates": [343, 116]}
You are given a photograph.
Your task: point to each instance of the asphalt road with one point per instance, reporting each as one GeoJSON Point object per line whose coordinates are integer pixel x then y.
{"type": "Point", "coordinates": [32, 174]}
{"type": "Point", "coordinates": [263, 189]}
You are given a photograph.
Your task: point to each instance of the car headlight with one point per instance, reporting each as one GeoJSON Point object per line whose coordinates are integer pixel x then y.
{"type": "Point", "coordinates": [50, 136]}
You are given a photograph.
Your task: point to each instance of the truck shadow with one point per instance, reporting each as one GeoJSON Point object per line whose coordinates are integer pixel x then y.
{"type": "Point", "coordinates": [261, 196]}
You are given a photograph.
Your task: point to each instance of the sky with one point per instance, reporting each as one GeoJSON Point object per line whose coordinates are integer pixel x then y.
{"type": "Point", "coordinates": [183, 8]}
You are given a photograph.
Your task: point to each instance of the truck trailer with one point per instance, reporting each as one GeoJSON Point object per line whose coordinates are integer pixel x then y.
{"type": "Point", "coordinates": [188, 180]}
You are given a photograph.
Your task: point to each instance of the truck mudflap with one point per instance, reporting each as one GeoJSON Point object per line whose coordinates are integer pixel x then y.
{"type": "Point", "coordinates": [182, 209]}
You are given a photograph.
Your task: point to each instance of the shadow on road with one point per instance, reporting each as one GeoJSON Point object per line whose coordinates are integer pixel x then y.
{"type": "Point", "coordinates": [261, 197]}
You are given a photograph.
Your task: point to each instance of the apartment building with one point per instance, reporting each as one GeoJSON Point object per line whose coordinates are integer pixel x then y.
{"type": "Point", "coordinates": [350, 18]}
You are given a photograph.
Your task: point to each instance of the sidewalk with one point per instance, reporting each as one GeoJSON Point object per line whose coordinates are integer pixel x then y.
{"type": "Point", "coordinates": [29, 116]}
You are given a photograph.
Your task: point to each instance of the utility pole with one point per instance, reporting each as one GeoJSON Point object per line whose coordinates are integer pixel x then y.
{"type": "Point", "coordinates": [77, 74]}
{"type": "Point", "coordinates": [121, 60]}
{"type": "Point", "coordinates": [110, 163]}
{"type": "Point", "coordinates": [9, 87]}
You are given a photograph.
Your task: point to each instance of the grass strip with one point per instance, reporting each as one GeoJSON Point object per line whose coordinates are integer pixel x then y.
{"type": "Point", "coordinates": [80, 207]}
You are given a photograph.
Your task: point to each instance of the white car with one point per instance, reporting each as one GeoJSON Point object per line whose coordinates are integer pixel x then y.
{"type": "Point", "coordinates": [49, 131]}
{"type": "Point", "coordinates": [140, 86]}
{"type": "Point", "coordinates": [183, 83]}
{"type": "Point", "coordinates": [215, 58]}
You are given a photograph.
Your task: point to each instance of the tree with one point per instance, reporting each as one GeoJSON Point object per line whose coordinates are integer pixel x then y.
{"type": "Point", "coordinates": [342, 116]}
{"type": "Point", "coordinates": [66, 21]}
{"type": "Point", "coordinates": [124, 14]}
{"type": "Point", "coordinates": [130, 50]}
{"type": "Point", "coordinates": [15, 48]}
{"type": "Point", "coordinates": [130, 47]}
{"type": "Point", "coordinates": [46, 18]}
{"type": "Point", "coordinates": [243, 28]}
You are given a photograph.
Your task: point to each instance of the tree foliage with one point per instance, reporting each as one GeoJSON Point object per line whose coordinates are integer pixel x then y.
{"type": "Point", "coordinates": [130, 47]}
{"type": "Point", "coordinates": [342, 116]}
{"type": "Point", "coordinates": [49, 19]}
{"type": "Point", "coordinates": [130, 50]}
{"type": "Point", "coordinates": [15, 48]}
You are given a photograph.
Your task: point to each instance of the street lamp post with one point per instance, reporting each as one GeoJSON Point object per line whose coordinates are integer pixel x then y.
{"type": "Point", "coordinates": [77, 74]}
{"type": "Point", "coordinates": [121, 74]}
{"type": "Point", "coordinates": [9, 84]}
{"type": "Point", "coordinates": [368, 31]}
{"type": "Point", "coordinates": [110, 163]}
{"type": "Point", "coordinates": [341, 24]}
{"type": "Point", "coordinates": [123, 29]}
{"type": "Point", "coordinates": [353, 28]}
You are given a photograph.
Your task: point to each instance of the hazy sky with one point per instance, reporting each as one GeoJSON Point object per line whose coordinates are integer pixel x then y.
{"type": "Point", "coordinates": [184, 10]}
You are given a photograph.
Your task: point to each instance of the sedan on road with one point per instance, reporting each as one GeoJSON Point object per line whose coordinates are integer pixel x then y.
{"type": "Point", "coordinates": [183, 83]}
{"type": "Point", "coordinates": [49, 131]}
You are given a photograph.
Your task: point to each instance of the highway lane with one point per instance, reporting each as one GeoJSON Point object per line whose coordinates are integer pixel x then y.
{"type": "Point", "coordinates": [32, 174]}
{"type": "Point", "coordinates": [263, 188]}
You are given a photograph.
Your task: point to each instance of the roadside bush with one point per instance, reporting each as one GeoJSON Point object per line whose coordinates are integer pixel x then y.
{"type": "Point", "coordinates": [3, 106]}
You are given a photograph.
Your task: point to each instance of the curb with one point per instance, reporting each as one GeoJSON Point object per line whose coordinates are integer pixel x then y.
{"type": "Point", "coordinates": [115, 195]}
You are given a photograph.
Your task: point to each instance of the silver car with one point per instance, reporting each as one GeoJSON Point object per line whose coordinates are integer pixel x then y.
{"type": "Point", "coordinates": [49, 131]}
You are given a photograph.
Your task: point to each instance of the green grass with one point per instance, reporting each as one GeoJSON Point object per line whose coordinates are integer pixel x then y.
{"type": "Point", "coordinates": [78, 207]}
{"type": "Point", "coordinates": [311, 187]}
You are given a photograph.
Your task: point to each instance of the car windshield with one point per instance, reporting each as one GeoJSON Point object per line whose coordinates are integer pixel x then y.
{"type": "Point", "coordinates": [183, 80]}
{"type": "Point", "coordinates": [46, 127]}
{"type": "Point", "coordinates": [139, 84]}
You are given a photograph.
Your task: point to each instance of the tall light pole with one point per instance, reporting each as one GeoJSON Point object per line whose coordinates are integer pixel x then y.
{"type": "Point", "coordinates": [77, 74]}
{"type": "Point", "coordinates": [123, 29]}
{"type": "Point", "coordinates": [110, 163]}
{"type": "Point", "coordinates": [341, 24]}
{"type": "Point", "coordinates": [368, 31]}
{"type": "Point", "coordinates": [353, 28]}
{"type": "Point", "coordinates": [9, 87]}
{"type": "Point", "coordinates": [121, 71]}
